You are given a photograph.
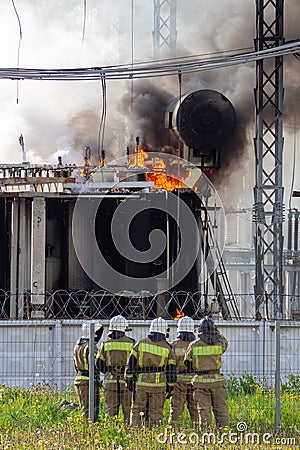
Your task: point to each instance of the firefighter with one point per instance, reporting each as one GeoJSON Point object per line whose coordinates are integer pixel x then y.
{"type": "Point", "coordinates": [183, 389]}
{"type": "Point", "coordinates": [81, 364]}
{"type": "Point", "coordinates": [204, 357]}
{"type": "Point", "coordinates": [150, 375]}
{"type": "Point", "coordinates": [111, 360]}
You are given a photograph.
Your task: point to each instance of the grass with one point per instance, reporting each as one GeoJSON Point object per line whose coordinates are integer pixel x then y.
{"type": "Point", "coordinates": [256, 402]}
{"type": "Point", "coordinates": [35, 419]}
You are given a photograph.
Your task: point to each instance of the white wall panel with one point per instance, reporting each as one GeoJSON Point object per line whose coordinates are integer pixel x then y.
{"type": "Point", "coordinates": [42, 351]}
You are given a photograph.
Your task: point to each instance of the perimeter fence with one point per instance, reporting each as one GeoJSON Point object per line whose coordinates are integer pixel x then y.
{"type": "Point", "coordinates": [261, 354]}
{"type": "Point", "coordinates": [83, 304]}
{"type": "Point", "coordinates": [42, 350]}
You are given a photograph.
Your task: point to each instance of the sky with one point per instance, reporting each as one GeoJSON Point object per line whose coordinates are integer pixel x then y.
{"type": "Point", "coordinates": [61, 118]}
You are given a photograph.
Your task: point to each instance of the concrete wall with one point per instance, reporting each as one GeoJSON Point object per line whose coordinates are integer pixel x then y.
{"type": "Point", "coordinates": [42, 351]}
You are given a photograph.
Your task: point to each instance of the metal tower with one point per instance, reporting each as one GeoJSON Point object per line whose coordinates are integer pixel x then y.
{"type": "Point", "coordinates": [268, 191]}
{"type": "Point", "coordinates": [164, 34]}
{"type": "Point", "coordinates": [117, 29]}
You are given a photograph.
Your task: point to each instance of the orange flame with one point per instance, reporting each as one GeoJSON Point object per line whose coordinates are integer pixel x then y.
{"type": "Point", "coordinates": [84, 171]}
{"type": "Point", "coordinates": [209, 170]}
{"type": "Point", "coordinates": [158, 174]}
{"type": "Point", "coordinates": [101, 163]}
{"type": "Point", "coordinates": [179, 314]}
{"type": "Point", "coordinates": [138, 158]}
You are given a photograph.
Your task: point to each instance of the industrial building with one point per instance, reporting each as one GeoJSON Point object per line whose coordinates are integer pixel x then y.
{"type": "Point", "coordinates": [46, 229]}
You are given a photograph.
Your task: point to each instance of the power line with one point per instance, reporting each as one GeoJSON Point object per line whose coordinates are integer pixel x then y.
{"type": "Point", "coordinates": [19, 45]}
{"type": "Point", "coordinates": [148, 69]}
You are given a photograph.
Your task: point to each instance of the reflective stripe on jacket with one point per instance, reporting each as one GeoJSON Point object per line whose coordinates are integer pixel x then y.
{"type": "Point", "coordinates": [115, 353]}
{"type": "Point", "coordinates": [206, 358]}
{"type": "Point", "coordinates": [149, 354]}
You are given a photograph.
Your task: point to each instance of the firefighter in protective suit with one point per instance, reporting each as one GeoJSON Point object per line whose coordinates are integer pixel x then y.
{"type": "Point", "coordinates": [111, 360]}
{"type": "Point", "coordinates": [183, 389]}
{"type": "Point", "coordinates": [81, 357]}
{"type": "Point", "coordinates": [204, 357]}
{"type": "Point", "coordinates": [150, 375]}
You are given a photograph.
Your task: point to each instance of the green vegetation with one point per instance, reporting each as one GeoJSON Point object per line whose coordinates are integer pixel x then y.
{"type": "Point", "coordinates": [254, 403]}
{"type": "Point", "coordinates": [37, 418]}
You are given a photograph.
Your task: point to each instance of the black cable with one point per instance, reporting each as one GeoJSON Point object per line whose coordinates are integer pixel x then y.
{"type": "Point", "coordinates": [19, 46]}
{"type": "Point", "coordinates": [104, 110]}
{"type": "Point", "coordinates": [101, 131]}
{"type": "Point", "coordinates": [294, 164]}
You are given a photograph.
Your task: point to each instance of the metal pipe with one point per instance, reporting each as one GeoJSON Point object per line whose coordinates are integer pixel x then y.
{"type": "Point", "coordinates": [277, 376]}
{"type": "Point", "coordinates": [290, 230]}
{"type": "Point", "coordinates": [296, 230]}
{"type": "Point", "coordinates": [92, 372]}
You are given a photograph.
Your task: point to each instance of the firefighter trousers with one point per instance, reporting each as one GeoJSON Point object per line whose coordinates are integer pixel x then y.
{"type": "Point", "coordinates": [115, 398]}
{"type": "Point", "coordinates": [148, 406]}
{"type": "Point", "coordinates": [183, 393]}
{"type": "Point", "coordinates": [82, 388]}
{"type": "Point", "coordinates": [212, 398]}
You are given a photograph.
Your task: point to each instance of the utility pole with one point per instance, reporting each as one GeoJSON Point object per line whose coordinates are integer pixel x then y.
{"type": "Point", "coordinates": [268, 191]}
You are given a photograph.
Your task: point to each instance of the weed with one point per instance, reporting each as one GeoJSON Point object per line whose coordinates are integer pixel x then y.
{"type": "Point", "coordinates": [51, 427]}
{"type": "Point", "coordinates": [292, 386]}
{"type": "Point", "coordinates": [244, 385]}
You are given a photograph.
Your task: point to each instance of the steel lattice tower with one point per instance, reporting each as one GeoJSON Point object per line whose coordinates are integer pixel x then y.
{"type": "Point", "coordinates": [164, 34]}
{"type": "Point", "coordinates": [268, 191]}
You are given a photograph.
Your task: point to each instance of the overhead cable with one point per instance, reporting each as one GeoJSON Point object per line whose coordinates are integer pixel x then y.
{"type": "Point", "coordinates": [148, 69]}
{"type": "Point", "coordinates": [19, 45]}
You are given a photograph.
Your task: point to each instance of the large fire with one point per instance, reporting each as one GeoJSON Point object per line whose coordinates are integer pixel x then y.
{"type": "Point", "coordinates": [165, 175]}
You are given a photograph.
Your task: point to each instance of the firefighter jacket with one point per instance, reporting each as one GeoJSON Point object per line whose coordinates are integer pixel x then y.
{"type": "Point", "coordinates": [152, 364]}
{"type": "Point", "coordinates": [81, 360]}
{"type": "Point", "coordinates": [204, 357]}
{"type": "Point", "coordinates": [112, 358]}
{"type": "Point", "coordinates": [180, 347]}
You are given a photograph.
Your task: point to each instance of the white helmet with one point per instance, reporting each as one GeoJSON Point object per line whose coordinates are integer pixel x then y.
{"type": "Point", "coordinates": [118, 323]}
{"type": "Point", "coordinates": [85, 328]}
{"type": "Point", "coordinates": [159, 326]}
{"type": "Point", "coordinates": [186, 324]}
